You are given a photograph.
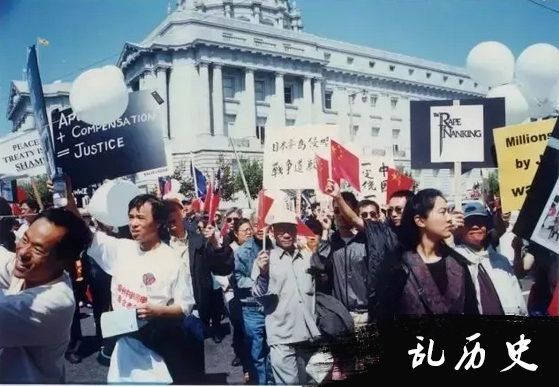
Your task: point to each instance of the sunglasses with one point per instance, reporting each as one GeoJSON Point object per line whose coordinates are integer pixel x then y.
{"type": "Point", "coordinates": [397, 210]}
{"type": "Point", "coordinates": [231, 220]}
{"type": "Point", "coordinates": [370, 214]}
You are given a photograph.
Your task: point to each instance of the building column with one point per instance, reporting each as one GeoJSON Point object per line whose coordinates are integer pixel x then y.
{"type": "Point", "coordinates": [248, 129]}
{"type": "Point", "coordinates": [217, 100]}
{"type": "Point", "coordinates": [182, 101]}
{"type": "Point", "coordinates": [307, 113]}
{"type": "Point", "coordinates": [318, 109]}
{"type": "Point", "coordinates": [204, 99]}
{"type": "Point", "coordinates": [161, 81]}
{"type": "Point", "coordinates": [278, 108]}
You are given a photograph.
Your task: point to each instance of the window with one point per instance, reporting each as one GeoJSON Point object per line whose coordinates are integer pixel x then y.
{"type": "Point", "coordinates": [395, 148]}
{"type": "Point", "coordinates": [135, 85]}
{"type": "Point", "coordinates": [375, 130]}
{"type": "Point", "coordinates": [288, 94]}
{"type": "Point", "coordinates": [445, 78]}
{"type": "Point", "coordinates": [371, 65]}
{"type": "Point", "coordinates": [460, 81]}
{"type": "Point", "coordinates": [355, 130]}
{"type": "Point", "coordinates": [394, 103]}
{"type": "Point", "coordinates": [259, 90]}
{"type": "Point", "coordinates": [392, 68]}
{"type": "Point", "coordinates": [289, 122]}
{"type": "Point", "coordinates": [475, 84]}
{"type": "Point", "coordinates": [261, 128]}
{"type": "Point", "coordinates": [229, 122]}
{"type": "Point", "coordinates": [410, 71]}
{"type": "Point", "coordinates": [373, 100]}
{"type": "Point", "coordinates": [395, 133]}
{"type": "Point", "coordinates": [428, 75]}
{"type": "Point", "coordinates": [327, 55]}
{"type": "Point", "coordinates": [228, 87]}
{"type": "Point", "coordinates": [349, 60]}
{"type": "Point", "coordinates": [328, 99]}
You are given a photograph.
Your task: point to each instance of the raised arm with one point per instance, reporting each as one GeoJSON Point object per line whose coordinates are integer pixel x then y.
{"type": "Point", "coordinates": [333, 190]}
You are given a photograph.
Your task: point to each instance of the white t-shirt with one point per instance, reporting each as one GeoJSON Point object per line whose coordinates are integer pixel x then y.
{"type": "Point", "coordinates": [158, 277]}
{"type": "Point", "coordinates": [34, 327]}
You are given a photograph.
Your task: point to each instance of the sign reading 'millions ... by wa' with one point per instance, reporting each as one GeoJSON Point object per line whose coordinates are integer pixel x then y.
{"type": "Point", "coordinates": [90, 153]}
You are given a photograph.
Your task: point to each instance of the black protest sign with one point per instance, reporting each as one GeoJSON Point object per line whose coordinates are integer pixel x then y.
{"type": "Point", "coordinates": [89, 154]}
{"type": "Point", "coordinates": [428, 132]}
{"type": "Point", "coordinates": [540, 211]}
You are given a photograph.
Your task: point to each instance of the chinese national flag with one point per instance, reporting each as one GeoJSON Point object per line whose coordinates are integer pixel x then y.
{"type": "Point", "coordinates": [322, 172]}
{"type": "Point", "coordinates": [264, 204]}
{"type": "Point", "coordinates": [196, 205]}
{"type": "Point", "coordinates": [303, 230]}
{"type": "Point", "coordinates": [553, 309]}
{"type": "Point", "coordinates": [345, 165]}
{"type": "Point", "coordinates": [397, 181]}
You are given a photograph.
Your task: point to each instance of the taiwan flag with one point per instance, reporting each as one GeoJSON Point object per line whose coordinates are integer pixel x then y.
{"type": "Point", "coordinates": [345, 165]}
{"type": "Point", "coordinates": [201, 182]}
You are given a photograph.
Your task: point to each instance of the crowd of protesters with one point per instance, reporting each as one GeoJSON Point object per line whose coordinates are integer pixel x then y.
{"type": "Point", "coordinates": [281, 292]}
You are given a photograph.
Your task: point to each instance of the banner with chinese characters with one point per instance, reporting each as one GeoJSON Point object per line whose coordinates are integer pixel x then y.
{"type": "Point", "coordinates": [374, 174]}
{"type": "Point", "coordinates": [289, 155]}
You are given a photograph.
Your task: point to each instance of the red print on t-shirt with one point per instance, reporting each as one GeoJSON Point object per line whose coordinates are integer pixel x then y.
{"type": "Point", "coordinates": [148, 279]}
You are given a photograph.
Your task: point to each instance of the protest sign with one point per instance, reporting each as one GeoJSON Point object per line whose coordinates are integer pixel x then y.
{"type": "Point", "coordinates": [22, 154]}
{"type": "Point", "coordinates": [289, 155]}
{"type": "Point", "coordinates": [90, 154]}
{"type": "Point", "coordinates": [538, 218]}
{"type": "Point", "coordinates": [374, 174]}
{"type": "Point", "coordinates": [39, 110]}
{"type": "Point", "coordinates": [443, 134]}
{"type": "Point", "coordinates": [519, 150]}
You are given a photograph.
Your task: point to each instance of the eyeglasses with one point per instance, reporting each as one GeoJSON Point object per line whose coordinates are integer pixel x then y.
{"type": "Point", "coordinates": [370, 214]}
{"type": "Point", "coordinates": [397, 210]}
{"type": "Point", "coordinates": [246, 231]}
{"type": "Point", "coordinates": [231, 220]}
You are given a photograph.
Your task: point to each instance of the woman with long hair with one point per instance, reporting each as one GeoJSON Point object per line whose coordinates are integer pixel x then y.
{"type": "Point", "coordinates": [426, 276]}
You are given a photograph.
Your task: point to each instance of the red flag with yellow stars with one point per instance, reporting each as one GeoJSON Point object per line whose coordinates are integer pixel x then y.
{"type": "Point", "coordinates": [345, 165]}
{"type": "Point", "coordinates": [397, 181]}
{"type": "Point", "coordinates": [322, 173]}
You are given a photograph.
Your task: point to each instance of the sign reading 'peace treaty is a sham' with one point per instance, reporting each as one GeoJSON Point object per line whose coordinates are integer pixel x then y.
{"type": "Point", "coordinates": [89, 154]}
{"type": "Point", "coordinates": [443, 133]}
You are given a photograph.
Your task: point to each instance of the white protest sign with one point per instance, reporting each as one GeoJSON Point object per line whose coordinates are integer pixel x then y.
{"type": "Point", "coordinates": [21, 154]}
{"type": "Point", "coordinates": [457, 133]}
{"type": "Point", "coordinates": [289, 155]}
{"type": "Point", "coordinates": [374, 175]}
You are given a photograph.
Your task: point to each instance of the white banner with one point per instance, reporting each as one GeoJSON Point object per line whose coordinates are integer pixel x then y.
{"type": "Point", "coordinates": [374, 175]}
{"type": "Point", "coordinates": [289, 155]}
{"type": "Point", "coordinates": [21, 154]}
{"type": "Point", "coordinates": [457, 134]}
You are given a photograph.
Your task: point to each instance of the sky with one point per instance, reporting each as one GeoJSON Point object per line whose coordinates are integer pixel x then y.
{"type": "Point", "coordinates": [90, 33]}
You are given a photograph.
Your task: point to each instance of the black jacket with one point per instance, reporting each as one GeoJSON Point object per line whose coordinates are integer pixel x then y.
{"type": "Point", "coordinates": [332, 316]}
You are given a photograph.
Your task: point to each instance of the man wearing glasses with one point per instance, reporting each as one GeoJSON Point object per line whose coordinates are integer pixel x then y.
{"type": "Point", "coordinates": [369, 209]}
{"type": "Point", "coordinates": [189, 215]}
{"type": "Point", "coordinates": [396, 206]}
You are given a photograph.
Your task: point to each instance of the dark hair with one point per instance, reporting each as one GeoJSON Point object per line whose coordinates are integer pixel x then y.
{"type": "Point", "coordinates": [367, 202]}
{"type": "Point", "coordinates": [420, 204]}
{"type": "Point", "coordinates": [237, 225]}
{"type": "Point", "coordinates": [350, 199]}
{"type": "Point", "coordinates": [158, 209]}
{"type": "Point", "coordinates": [233, 210]}
{"type": "Point", "coordinates": [315, 226]}
{"type": "Point", "coordinates": [31, 204]}
{"type": "Point", "coordinates": [314, 206]}
{"type": "Point", "coordinates": [7, 237]}
{"type": "Point", "coordinates": [402, 194]}
{"type": "Point", "coordinates": [77, 237]}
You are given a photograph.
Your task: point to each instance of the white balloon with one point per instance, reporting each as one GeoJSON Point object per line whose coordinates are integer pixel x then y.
{"type": "Point", "coordinates": [175, 186]}
{"type": "Point", "coordinates": [537, 70]}
{"type": "Point", "coordinates": [99, 96]}
{"type": "Point", "coordinates": [109, 204]}
{"type": "Point", "coordinates": [516, 106]}
{"type": "Point", "coordinates": [490, 64]}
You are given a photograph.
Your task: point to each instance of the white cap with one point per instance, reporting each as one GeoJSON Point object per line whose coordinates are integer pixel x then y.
{"type": "Point", "coordinates": [175, 197]}
{"type": "Point", "coordinates": [281, 215]}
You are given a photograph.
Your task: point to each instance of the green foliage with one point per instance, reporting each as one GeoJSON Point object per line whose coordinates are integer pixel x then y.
{"type": "Point", "coordinates": [227, 179]}
{"type": "Point", "coordinates": [492, 182]}
{"type": "Point", "coordinates": [253, 171]}
{"type": "Point", "coordinates": [41, 183]}
{"type": "Point", "coordinates": [182, 175]}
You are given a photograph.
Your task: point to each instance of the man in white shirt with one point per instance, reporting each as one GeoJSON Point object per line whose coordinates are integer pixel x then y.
{"type": "Point", "coordinates": [37, 306]}
{"type": "Point", "coordinates": [149, 276]}
{"type": "Point", "coordinates": [286, 290]}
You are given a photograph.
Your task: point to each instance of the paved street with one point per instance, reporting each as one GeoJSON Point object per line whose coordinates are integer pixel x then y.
{"type": "Point", "coordinates": [218, 356]}
{"type": "Point", "coordinates": [89, 371]}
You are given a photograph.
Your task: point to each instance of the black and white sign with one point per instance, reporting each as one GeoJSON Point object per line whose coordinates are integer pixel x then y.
{"type": "Point", "coordinates": [442, 134]}
{"type": "Point", "coordinates": [89, 154]}
{"type": "Point", "coordinates": [537, 220]}
{"type": "Point", "coordinates": [22, 154]}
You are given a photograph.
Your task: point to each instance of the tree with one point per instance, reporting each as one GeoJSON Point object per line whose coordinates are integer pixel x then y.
{"type": "Point", "coordinates": [492, 182]}
{"type": "Point", "coordinates": [253, 171]}
{"type": "Point", "coordinates": [228, 188]}
{"type": "Point", "coordinates": [41, 184]}
{"type": "Point", "coordinates": [180, 174]}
